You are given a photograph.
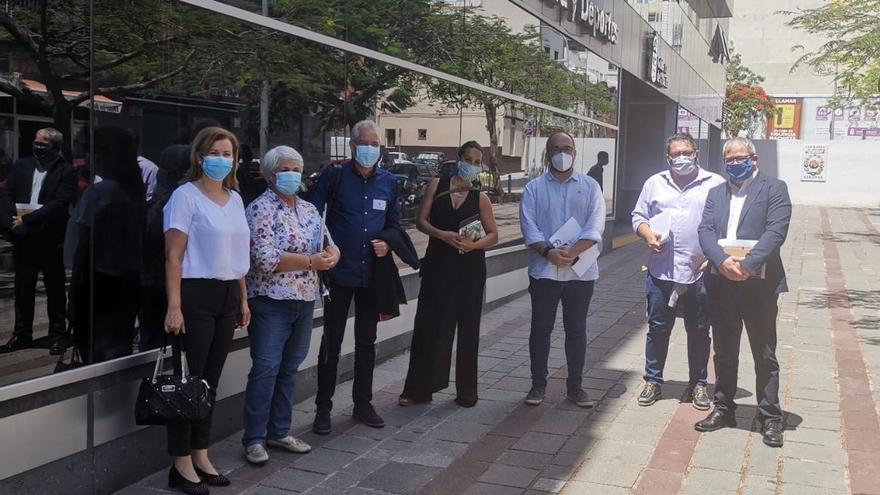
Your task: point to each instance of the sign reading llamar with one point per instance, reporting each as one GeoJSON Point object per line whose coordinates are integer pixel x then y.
{"type": "Point", "coordinates": [599, 24]}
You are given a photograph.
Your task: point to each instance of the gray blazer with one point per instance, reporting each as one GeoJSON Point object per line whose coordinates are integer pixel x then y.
{"type": "Point", "coordinates": [765, 217]}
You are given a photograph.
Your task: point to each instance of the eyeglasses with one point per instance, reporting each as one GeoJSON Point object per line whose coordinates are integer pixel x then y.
{"type": "Point", "coordinates": [682, 153]}
{"type": "Point", "coordinates": [736, 159]}
{"type": "Point", "coordinates": [562, 149]}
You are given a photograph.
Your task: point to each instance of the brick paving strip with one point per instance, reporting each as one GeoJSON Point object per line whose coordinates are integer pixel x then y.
{"type": "Point", "coordinates": [861, 426]}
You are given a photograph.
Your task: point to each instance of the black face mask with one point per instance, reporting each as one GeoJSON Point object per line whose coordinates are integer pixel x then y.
{"type": "Point", "coordinates": [45, 153]}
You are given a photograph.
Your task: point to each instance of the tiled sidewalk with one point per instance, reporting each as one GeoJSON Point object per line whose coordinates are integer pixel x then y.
{"type": "Point", "coordinates": [829, 348]}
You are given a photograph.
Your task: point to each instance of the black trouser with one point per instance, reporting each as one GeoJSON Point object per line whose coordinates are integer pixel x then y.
{"type": "Point", "coordinates": [110, 319]}
{"type": "Point", "coordinates": [575, 296]}
{"type": "Point", "coordinates": [211, 311]}
{"type": "Point", "coordinates": [437, 317]}
{"type": "Point", "coordinates": [730, 305]}
{"type": "Point", "coordinates": [365, 320]}
{"type": "Point", "coordinates": [32, 256]}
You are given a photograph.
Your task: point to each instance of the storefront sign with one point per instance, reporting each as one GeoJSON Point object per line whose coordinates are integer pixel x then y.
{"type": "Point", "coordinates": [786, 123]}
{"type": "Point", "coordinates": [863, 132]}
{"type": "Point", "coordinates": [599, 23]}
{"type": "Point", "coordinates": [815, 163]}
{"type": "Point", "coordinates": [657, 66]}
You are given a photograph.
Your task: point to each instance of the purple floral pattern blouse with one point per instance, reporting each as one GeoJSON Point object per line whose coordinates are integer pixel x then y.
{"type": "Point", "coordinates": [277, 228]}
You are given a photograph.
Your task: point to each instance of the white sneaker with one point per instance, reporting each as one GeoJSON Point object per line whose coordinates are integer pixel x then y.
{"type": "Point", "coordinates": [290, 443]}
{"type": "Point", "coordinates": [256, 454]}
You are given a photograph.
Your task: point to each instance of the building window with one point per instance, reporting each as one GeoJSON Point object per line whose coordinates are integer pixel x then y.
{"type": "Point", "coordinates": [423, 134]}
{"type": "Point", "coordinates": [653, 17]}
{"type": "Point", "coordinates": [390, 138]}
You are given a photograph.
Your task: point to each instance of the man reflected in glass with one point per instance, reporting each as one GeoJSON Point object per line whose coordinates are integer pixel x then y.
{"type": "Point", "coordinates": [34, 216]}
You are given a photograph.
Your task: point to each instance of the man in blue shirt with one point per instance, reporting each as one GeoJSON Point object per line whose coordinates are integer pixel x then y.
{"type": "Point", "coordinates": [361, 201]}
{"type": "Point", "coordinates": [548, 203]}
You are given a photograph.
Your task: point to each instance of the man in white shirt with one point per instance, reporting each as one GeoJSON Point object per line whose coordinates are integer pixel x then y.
{"type": "Point", "coordinates": [46, 180]}
{"type": "Point", "coordinates": [675, 266]}
{"type": "Point", "coordinates": [548, 203]}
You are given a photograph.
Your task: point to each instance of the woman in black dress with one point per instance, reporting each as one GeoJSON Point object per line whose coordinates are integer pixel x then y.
{"type": "Point", "coordinates": [453, 277]}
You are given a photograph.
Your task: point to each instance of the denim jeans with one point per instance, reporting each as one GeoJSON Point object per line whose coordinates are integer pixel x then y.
{"type": "Point", "coordinates": [280, 333]}
{"type": "Point", "coordinates": [575, 296]}
{"type": "Point", "coordinates": [661, 318]}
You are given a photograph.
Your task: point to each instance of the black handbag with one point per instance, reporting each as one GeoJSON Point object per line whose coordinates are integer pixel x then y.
{"type": "Point", "coordinates": [172, 399]}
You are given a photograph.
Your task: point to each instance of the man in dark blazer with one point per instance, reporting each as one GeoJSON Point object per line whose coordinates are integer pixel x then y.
{"type": "Point", "coordinates": [744, 289]}
{"type": "Point", "coordinates": [38, 236]}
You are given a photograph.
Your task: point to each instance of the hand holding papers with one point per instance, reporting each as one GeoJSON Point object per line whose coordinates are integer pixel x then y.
{"type": "Point", "coordinates": [661, 224]}
{"type": "Point", "coordinates": [569, 235]}
{"type": "Point", "coordinates": [740, 248]}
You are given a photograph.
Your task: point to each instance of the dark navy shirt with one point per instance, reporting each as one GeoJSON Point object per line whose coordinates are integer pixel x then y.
{"type": "Point", "coordinates": [363, 208]}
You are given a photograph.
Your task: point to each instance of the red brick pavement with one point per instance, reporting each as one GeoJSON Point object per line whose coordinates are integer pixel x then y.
{"type": "Point", "coordinates": [861, 425]}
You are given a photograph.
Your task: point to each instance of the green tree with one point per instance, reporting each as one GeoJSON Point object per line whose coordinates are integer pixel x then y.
{"type": "Point", "coordinates": [852, 53]}
{"type": "Point", "coordinates": [131, 39]}
{"type": "Point", "coordinates": [746, 104]}
{"type": "Point", "coordinates": [484, 49]}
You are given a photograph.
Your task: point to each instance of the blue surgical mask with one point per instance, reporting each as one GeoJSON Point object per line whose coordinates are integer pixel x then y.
{"type": "Point", "coordinates": [288, 182]}
{"type": "Point", "coordinates": [217, 167]}
{"type": "Point", "coordinates": [367, 155]}
{"type": "Point", "coordinates": [740, 171]}
{"type": "Point", "coordinates": [469, 172]}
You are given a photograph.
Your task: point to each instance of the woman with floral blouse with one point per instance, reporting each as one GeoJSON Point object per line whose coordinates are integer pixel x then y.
{"type": "Point", "coordinates": [287, 251]}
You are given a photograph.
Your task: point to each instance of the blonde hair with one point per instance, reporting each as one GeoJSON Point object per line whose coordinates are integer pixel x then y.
{"type": "Point", "coordinates": [201, 145]}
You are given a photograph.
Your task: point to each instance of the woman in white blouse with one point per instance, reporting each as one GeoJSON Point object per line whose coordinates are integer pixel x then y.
{"type": "Point", "coordinates": [207, 258]}
{"type": "Point", "coordinates": [287, 252]}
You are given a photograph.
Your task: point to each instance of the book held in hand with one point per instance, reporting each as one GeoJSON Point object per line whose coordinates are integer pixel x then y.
{"type": "Point", "coordinates": [472, 228]}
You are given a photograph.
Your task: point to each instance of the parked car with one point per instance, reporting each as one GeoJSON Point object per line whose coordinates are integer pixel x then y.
{"type": "Point", "coordinates": [432, 157]}
{"type": "Point", "coordinates": [403, 170]}
{"type": "Point", "coordinates": [399, 156]}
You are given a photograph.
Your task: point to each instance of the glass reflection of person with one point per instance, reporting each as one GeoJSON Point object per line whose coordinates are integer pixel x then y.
{"type": "Point", "coordinates": [598, 169]}
{"type": "Point", "coordinates": [207, 252]}
{"type": "Point", "coordinates": [108, 239]}
{"type": "Point", "coordinates": [46, 179]}
{"type": "Point", "coordinates": [453, 275]}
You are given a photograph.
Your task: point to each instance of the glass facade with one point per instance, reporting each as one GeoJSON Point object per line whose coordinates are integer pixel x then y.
{"type": "Point", "coordinates": [112, 75]}
{"type": "Point", "coordinates": [432, 74]}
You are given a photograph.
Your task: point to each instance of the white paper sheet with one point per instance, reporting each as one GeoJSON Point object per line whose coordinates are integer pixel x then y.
{"type": "Point", "coordinates": [567, 235]}
{"type": "Point", "coordinates": [586, 260]}
{"type": "Point", "coordinates": [661, 223]}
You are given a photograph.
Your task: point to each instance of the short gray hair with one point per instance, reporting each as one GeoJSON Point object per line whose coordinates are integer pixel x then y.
{"type": "Point", "coordinates": [273, 159]}
{"type": "Point", "coordinates": [741, 141]}
{"type": "Point", "coordinates": [364, 125]}
{"type": "Point", "coordinates": [680, 136]}
{"type": "Point", "coordinates": [54, 136]}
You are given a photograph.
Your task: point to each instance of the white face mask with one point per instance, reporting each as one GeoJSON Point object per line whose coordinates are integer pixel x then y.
{"type": "Point", "coordinates": [683, 165]}
{"type": "Point", "coordinates": [562, 162]}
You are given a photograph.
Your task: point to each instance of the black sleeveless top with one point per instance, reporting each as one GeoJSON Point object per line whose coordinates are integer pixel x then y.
{"type": "Point", "coordinates": [444, 217]}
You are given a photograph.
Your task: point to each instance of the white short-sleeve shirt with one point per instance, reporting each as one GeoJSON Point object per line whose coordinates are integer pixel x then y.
{"type": "Point", "coordinates": [218, 238]}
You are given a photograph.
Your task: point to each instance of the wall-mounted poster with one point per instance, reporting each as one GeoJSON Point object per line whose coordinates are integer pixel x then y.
{"type": "Point", "coordinates": [814, 167]}
{"type": "Point", "coordinates": [786, 121]}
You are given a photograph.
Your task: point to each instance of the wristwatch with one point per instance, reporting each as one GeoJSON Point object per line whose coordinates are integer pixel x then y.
{"type": "Point", "coordinates": [546, 251]}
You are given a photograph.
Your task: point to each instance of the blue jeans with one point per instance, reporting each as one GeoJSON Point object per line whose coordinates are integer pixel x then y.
{"type": "Point", "coordinates": [546, 295]}
{"type": "Point", "coordinates": [280, 333]}
{"type": "Point", "coordinates": [661, 318]}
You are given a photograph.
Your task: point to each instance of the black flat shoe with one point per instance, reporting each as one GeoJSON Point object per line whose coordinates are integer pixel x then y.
{"type": "Point", "coordinates": [176, 480]}
{"type": "Point", "coordinates": [466, 402]}
{"type": "Point", "coordinates": [16, 343]}
{"type": "Point", "coordinates": [772, 432]}
{"type": "Point", "coordinates": [213, 479]}
{"type": "Point", "coordinates": [716, 420]}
